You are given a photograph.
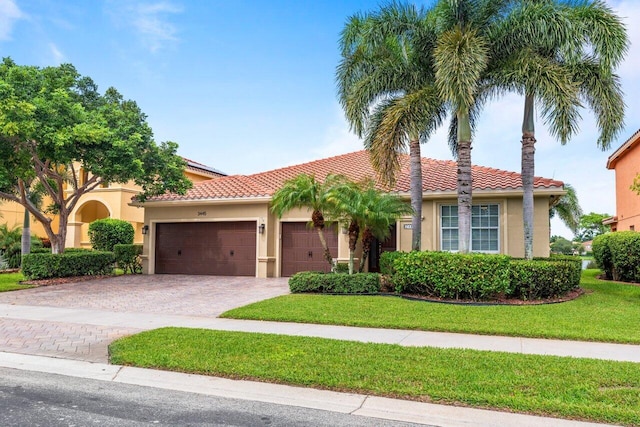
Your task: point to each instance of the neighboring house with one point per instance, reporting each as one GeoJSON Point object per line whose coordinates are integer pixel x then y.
{"type": "Point", "coordinates": [225, 227]}
{"type": "Point", "coordinates": [109, 201]}
{"type": "Point", "coordinates": [626, 162]}
{"type": "Point", "coordinates": [588, 246]}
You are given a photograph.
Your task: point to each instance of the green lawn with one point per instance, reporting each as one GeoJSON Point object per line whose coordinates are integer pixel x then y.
{"type": "Point", "coordinates": [564, 387]}
{"type": "Point", "coordinates": [9, 282]}
{"type": "Point", "coordinates": [609, 312]}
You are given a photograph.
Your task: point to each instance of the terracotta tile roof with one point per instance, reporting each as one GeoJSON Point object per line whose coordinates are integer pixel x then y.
{"type": "Point", "coordinates": [438, 176]}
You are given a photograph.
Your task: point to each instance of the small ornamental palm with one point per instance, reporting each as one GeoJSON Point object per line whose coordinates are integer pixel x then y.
{"type": "Point", "coordinates": [568, 209]}
{"type": "Point", "coordinates": [304, 191]}
{"type": "Point", "coordinates": [362, 207]}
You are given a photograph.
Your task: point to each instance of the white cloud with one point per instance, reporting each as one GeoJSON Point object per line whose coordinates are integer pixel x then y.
{"type": "Point", "coordinates": [9, 14]}
{"type": "Point", "coordinates": [150, 21]}
{"type": "Point", "coordinates": [58, 56]}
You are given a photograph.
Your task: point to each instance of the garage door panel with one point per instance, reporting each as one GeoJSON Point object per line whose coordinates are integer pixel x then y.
{"type": "Point", "coordinates": [216, 248]}
{"type": "Point", "coordinates": [302, 250]}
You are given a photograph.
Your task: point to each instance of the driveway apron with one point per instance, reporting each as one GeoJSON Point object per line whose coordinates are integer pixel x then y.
{"type": "Point", "coordinates": [123, 296]}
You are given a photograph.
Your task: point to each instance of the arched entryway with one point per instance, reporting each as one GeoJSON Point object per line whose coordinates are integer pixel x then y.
{"type": "Point", "coordinates": [78, 228]}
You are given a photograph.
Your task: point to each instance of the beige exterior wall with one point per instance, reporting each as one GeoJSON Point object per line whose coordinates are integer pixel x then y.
{"type": "Point", "coordinates": [269, 243]}
{"type": "Point", "coordinates": [12, 214]}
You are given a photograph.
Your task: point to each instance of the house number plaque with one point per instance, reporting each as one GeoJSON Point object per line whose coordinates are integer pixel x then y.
{"type": "Point", "coordinates": [407, 226]}
{"type": "Point", "coordinates": [202, 213]}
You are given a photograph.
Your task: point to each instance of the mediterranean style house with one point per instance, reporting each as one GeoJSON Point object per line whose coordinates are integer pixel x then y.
{"type": "Point", "coordinates": [224, 226]}
{"type": "Point", "coordinates": [110, 201]}
{"type": "Point", "coordinates": [626, 163]}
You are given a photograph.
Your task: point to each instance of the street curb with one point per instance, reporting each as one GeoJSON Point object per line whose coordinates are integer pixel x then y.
{"type": "Point", "coordinates": [348, 403]}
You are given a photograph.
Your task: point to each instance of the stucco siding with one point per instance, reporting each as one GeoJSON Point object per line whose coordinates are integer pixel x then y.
{"type": "Point", "coordinates": [627, 201]}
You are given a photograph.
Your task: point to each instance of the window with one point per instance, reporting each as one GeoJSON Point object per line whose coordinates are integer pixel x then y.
{"type": "Point", "coordinates": [485, 227]}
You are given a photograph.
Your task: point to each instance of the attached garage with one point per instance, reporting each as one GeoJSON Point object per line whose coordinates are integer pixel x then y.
{"type": "Point", "coordinates": [215, 248]}
{"type": "Point", "coordinates": [301, 248]}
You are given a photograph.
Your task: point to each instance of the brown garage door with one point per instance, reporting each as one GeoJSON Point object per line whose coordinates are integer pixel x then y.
{"type": "Point", "coordinates": [302, 250]}
{"type": "Point", "coordinates": [216, 248]}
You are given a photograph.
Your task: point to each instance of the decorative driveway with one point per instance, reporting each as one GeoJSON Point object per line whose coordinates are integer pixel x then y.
{"type": "Point", "coordinates": [87, 339]}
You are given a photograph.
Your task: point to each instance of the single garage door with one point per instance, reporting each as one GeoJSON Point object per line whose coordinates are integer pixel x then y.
{"type": "Point", "coordinates": [301, 248]}
{"type": "Point", "coordinates": [216, 248]}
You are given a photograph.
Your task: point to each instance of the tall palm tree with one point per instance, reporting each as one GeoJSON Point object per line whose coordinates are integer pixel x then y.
{"type": "Point", "coordinates": [35, 193]}
{"type": "Point", "coordinates": [559, 55]}
{"type": "Point", "coordinates": [304, 191]}
{"type": "Point", "coordinates": [386, 86]}
{"type": "Point", "coordinates": [363, 208]}
{"type": "Point", "coordinates": [568, 209]}
{"type": "Point", "coordinates": [463, 53]}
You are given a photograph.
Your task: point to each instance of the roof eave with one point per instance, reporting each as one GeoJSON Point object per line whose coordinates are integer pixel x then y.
{"type": "Point", "coordinates": [199, 202]}
{"type": "Point", "coordinates": [624, 148]}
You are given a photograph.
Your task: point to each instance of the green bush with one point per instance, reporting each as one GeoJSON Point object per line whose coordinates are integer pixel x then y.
{"type": "Point", "coordinates": [40, 250]}
{"type": "Point", "coordinates": [624, 247]}
{"type": "Point", "coordinates": [452, 276]}
{"type": "Point", "coordinates": [386, 262]}
{"type": "Point", "coordinates": [602, 254]}
{"type": "Point", "coordinates": [544, 278]}
{"type": "Point", "coordinates": [87, 263]}
{"type": "Point", "coordinates": [335, 283]}
{"type": "Point", "coordinates": [341, 268]}
{"type": "Point", "coordinates": [105, 233]}
{"type": "Point", "coordinates": [13, 253]}
{"type": "Point", "coordinates": [128, 257]}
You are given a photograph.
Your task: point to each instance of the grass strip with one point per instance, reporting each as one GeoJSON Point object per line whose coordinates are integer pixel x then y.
{"type": "Point", "coordinates": [564, 387]}
{"type": "Point", "coordinates": [608, 312]}
{"type": "Point", "coordinates": [10, 282]}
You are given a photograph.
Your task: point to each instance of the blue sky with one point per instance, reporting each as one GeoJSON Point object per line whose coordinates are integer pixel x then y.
{"type": "Point", "coordinates": [248, 85]}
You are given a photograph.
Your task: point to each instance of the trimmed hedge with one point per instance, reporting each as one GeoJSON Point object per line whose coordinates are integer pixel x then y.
{"type": "Point", "coordinates": [625, 255]}
{"type": "Point", "coordinates": [618, 255]}
{"type": "Point", "coordinates": [334, 283]}
{"type": "Point", "coordinates": [105, 233]}
{"type": "Point", "coordinates": [128, 258]}
{"type": "Point", "coordinates": [543, 278]}
{"type": "Point", "coordinates": [86, 263]}
{"type": "Point", "coordinates": [452, 276]}
{"type": "Point", "coordinates": [386, 262]}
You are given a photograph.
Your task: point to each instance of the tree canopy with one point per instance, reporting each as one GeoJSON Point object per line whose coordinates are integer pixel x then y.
{"type": "Point", "coordinates": [590, 226]}
{"type": "Point", "coordinates": [53, 121]}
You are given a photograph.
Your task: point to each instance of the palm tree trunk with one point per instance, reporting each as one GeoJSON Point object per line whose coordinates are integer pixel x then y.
{"type": "Point", "coordinates": [354, 232]}
{"type": "Point", "coordinates": [318, 222]}
{"type": "Point", "coordinates": [26, 233]}
{"type": "Point", "coordinates": [464, 183]}
{"type": "Point", "coordinates": [528, 172]}
{"type": "Point", "coordinates": [367, 238]}
{"type": "Point", "coordinates": [416, 192]}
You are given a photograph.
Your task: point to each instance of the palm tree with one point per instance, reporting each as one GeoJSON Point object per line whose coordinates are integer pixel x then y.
{"type": "Point", "coordinates": [362, 207]}
{"type": "Point", "coordinates": [558, 54]}
{"type": "Point", "coordinates": [568, 209]}
{"type": "Point", "coordinates": [463, 53]}
{"type": "Point", "coordinates": [304, 191]}
{"type": "Point", "coordinates": [386, 86]}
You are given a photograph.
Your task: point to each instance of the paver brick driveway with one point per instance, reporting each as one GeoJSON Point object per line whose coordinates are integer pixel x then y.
{"type": "Point", "coordinates": [168, 295]}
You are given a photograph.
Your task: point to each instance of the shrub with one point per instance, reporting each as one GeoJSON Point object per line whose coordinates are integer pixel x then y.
{"type": "Point", "coordinates": [452, 276]}
{"type": "Point", "coordinates": [386, 262]}
{"type": "Point", "coordinates": [45, 266]}
{"type": "Point", "coordinates": [341, 268]}
{"type": "Point", "coordinates": [128, 257]}
{"type": "Point", "coordinates": [544, 277]}
{"type": "Point", "coordinates": [335, 283]}
{"type": "Point", "coordinates": [13, 253]}
{"type": "Point", "coordinates": [105, 233]}
{"type": "Point", "coordinates": [602, 254]}
{"type": "Point", "coordinates": [624, 247]}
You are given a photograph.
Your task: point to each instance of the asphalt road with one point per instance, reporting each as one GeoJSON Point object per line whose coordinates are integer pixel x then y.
{"type": "Point", "coordinates": [36, 399]}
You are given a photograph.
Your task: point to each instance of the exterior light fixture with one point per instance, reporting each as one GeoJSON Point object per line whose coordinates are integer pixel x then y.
{"type": "Point", "coordinates": [261, 228]}
{"type": "Point", "coordinates": [145, 229]}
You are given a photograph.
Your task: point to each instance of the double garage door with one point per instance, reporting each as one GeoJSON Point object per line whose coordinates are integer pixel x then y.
{"type": "Point", "coordinates": [229, 248]}
{"type": "Point", "coordinates": [215, 248]}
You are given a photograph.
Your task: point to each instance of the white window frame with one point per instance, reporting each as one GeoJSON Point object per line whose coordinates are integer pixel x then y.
{"type": "Point", "coordinates": [497, 228]}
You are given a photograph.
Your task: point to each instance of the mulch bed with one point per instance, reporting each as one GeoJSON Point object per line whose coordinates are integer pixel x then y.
{"type": "Point", "coordinates": [62, 280]}
{"type": "Point", "coordinates": [500, 301]}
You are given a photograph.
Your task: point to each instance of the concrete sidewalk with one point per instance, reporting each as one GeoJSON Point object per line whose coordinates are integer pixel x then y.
{"type": "Point", "coordinates": [348, 403]}
{"type": "Point", "coordinates": [134, 322]}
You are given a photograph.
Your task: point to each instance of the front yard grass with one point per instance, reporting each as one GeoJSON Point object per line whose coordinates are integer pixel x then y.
{"type": "Point", "coordinates": [565, 387]}
{"type": "Point", "coordinates": [10, 282]}
{"type": "Point", "coordinates": [608, 312]}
